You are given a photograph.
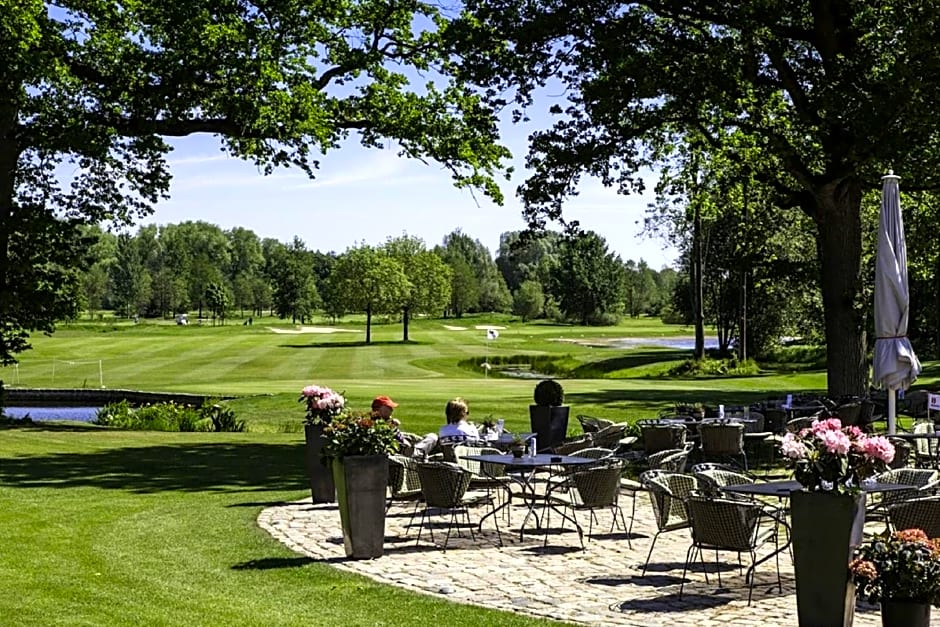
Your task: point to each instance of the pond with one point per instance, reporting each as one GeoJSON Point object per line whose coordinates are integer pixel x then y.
{"type": "Point", "coordinates": [82, 414]}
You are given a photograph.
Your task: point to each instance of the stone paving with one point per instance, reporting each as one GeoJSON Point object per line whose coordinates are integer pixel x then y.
{"type": "Point", "coordinates": [600, 585]}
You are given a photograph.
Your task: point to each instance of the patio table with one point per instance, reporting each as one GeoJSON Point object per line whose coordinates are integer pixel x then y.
{"type": "Point", "coordinates": [782, 489]}
{"type": "Point", "coordinates": [522, 471]}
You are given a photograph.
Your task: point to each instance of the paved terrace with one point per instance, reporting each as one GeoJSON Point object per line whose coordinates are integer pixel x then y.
{"type": "Point", "coordinates": [602, 585]}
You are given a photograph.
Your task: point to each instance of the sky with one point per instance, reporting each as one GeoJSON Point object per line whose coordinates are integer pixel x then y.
{"type": "Point", "coordinates": [368, 195]}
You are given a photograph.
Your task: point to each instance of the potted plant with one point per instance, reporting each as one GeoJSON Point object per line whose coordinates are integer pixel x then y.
{"type": "Point", "coordinates": [322, 405]}
{"type": "Point", "coordinates": [900, 570]}
{"type": "Point", "coordinates": [548, 417]}
{"type": "Point", "coordinates": [517, 447]}
{"type": "Point", "coordinates": [830, 462]}
{"type": "Point", "coordinates": [357, 447]}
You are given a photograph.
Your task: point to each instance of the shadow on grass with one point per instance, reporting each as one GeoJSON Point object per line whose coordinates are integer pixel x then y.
{"type": "Point", "coordinates": [631, 359]}
{"type": "Point", "coordinates": [271, 563]}
{"type": "Point", "coordinates": [358, 344]}
{"type": "Point", "coordinates": [655, 396]}
{"type": "Point", "coordinates": [196, 467]}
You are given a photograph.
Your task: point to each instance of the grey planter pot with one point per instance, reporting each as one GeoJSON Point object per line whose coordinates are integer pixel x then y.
{"type": "Point", "coordinates": [826, 529]}
{"type": "Point", "coordinates": [904, 614]}
{"type": "Point", "coordinates": [361, 483]}
{"type": "Point", "coordinates": [549, 424]}
{"type": "Point", "coordinates": [322, 488]}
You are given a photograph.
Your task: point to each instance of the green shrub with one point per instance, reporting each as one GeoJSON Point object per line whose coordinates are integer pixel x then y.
{"type": "Point", "coordinates": [169, 417]}
{"type": "Point", "coordinates": [549, 393]}
{"type": "Point", "coordinates": [119, 414]}
{"type": "Point", "coordinates": [711, 367]}
{"type": "Point", "coordinates": [221, 417]}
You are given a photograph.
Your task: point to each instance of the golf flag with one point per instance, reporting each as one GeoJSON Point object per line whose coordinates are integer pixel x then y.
{"type": "Point", "coordinates": [492, 334]}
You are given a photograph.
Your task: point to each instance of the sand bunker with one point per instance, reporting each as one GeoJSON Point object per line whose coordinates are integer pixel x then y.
{"type": "Point", "coordinates": [311, 330]}
{"type": "Point", "coordinates": [451, 328]}
{"type": "Point", "coordinates": [487, 327]}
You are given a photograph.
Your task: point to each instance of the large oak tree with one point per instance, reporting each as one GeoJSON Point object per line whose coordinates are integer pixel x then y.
{"type": "Point", "coordinates": [91, 89]}
{"type": "Point", "coordinates": [832, 92]}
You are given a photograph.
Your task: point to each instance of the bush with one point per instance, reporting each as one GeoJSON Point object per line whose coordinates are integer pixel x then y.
{"type": "Point", "coordinates": [711, 367]}
{"type": "Point", "coordinates": [169, 417]}
{"type": "Point", "coordinates": [549, 393]}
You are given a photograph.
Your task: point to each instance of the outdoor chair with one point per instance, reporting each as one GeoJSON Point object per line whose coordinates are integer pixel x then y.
{"type": "Point", "coordinates": [903, 449]}
{"type": "Point", "coordinates": [775, 420]}
{"type": "Point", "coordinates": [610, 436]}
{"type": "Point", "coordinates": [660, 437]}
{"type": "Point", "coordinates": [404, 483]}
{"type": "Point", "coordinates": [444, 486]}
{"type": "Point", "coordinates": [590, 424]}
{"type": "Point", "coordinates": [922, 513]}
{"type": "Point", "coordinates": [668, 492]}
{"type": "Point", "coordinates": [720, 524]}
{"type": "Point", "coordinates": [925, 450]}
{"type": "Point", "coordinates": [570, 445]}
{"type": "Point", "coordinates": [798, 424]}
{"type": "Point", "coordinates": [923, 482]}
{"type": "Point", "coordinates": [592, 488]}
{"type": "Point", "coordinates": [722, 440]}
{"type": "Point", "coordinates": [483, 475]}
{"type": "Point", "coordinates": [671, 460]}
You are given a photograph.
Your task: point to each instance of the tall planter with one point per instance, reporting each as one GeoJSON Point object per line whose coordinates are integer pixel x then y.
{"type": "Point", "coordinates": [322, 488]}
{"type": "Point", "coordinates": [904, 614]}
{"type": "Point", "coordinates": [361, 483]}
{"type": "Point", "coordinates": [826, 529]}
{"type": "Point", "coordinates": [549, 424]}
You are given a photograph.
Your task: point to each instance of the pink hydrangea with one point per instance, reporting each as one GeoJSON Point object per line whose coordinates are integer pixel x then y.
{"type": "Point", "coordinates": [836, 442]}
{"type": "Point", "coordinates": [830, 424]}
{"type": "Point", "coordinates": [879, 447]}
{"type": "Point", "coordinates": [792, 447]}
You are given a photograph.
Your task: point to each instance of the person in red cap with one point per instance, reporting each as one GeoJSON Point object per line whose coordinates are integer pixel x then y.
{"type": "Point", "coordinates": [382, 407]}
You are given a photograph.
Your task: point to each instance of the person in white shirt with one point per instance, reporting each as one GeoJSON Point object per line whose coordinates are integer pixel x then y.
{"type": "Point", "coordinates": [457, 430]}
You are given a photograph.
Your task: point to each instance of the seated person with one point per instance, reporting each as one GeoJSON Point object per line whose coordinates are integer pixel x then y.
{"type": "Point", "coordinates": [409, 444]}
{"type": "Point", "coordinates": [457, 430]}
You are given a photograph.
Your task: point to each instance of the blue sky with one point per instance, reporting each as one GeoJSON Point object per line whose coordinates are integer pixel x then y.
{"type": "Point", "coordinates": [368, 195]}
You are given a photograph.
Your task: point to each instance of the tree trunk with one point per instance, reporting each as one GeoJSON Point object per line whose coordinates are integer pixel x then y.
{"type": "Point", "coordinates": [698, 293]}
{"type": "Point", "coordinates": [404, 323]}
{"type": "Point", "coordinates": [368, 324]}
{"type": "Point", "coordinates": [839, 245]}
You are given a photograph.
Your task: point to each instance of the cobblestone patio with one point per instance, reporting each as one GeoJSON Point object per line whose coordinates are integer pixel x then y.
{"type": "Point", "coordinates": [601, 585]}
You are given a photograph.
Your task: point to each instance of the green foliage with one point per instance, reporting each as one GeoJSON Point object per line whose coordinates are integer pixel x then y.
{"type": "Point", "coordinates": [212, 416]}
{"type": "Point", "coordinates": [712, 367]}
{"type": "Point", "coordinates": [354, 433]}
{"type": "Point", "coordinates": [899, 566]}
{"type": "Point", "coordinates": [529, 301]}
{"type": "Point", "coordinates": [549, 393]}
{"type": "Point", "coordinates": [589, 282]}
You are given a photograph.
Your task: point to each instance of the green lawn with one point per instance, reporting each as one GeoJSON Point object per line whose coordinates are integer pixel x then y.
{"type": "Point", "coordinates": [128, 528]}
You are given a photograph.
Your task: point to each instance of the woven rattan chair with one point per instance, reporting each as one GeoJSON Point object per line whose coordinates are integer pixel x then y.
{"type": "Point", "coordinates": [671, 460]}
{"type": "Point", "coordinates": [592, 488]}
{"type": "Point", "coordinates": [571, 445]}
{"type": "Point", "coordinates": [925, 450]}
{"type": "Point", "coordinates": [661, 437]}
{"type": "Point", "coordinates": [610, 436]}
{"type": "Point", "coordinates": [725, 525]}
{"type": "Point", "coordinates": [591, 424]}
{"type": "Point", "coordinates": [444, 487]}
{"type": "Point", "coordinates": [723, 441]}
{"type": "Point", "coordinates": [921, 513]}
{"type": "Point", "coordinates": [903, 450]}
{"type": "Point", "coordinates": [668, 492]}
{"type": "Point", "coordinates": [404, 483]}
{"type": "Point", "coordinates": [923, 481]}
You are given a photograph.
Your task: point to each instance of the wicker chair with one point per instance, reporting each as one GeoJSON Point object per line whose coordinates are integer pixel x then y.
{"type": "Point", "coordinates": [903, 450]}
{"type": "Point", "coordinates": [571, 445]}
{"type": "Point", "coordinates": [722, 440]}
{"type": "Point", "coordinates": [726, 525]}
{"type": "Point", "coordinates": [591, 424]}
{"type": "Point", "coordinates": [595, 487]}
{"type": "Point", "coordinates": [925, 450]}
{"type": "Point", "coordinates": [923, 482]}
{"type": "Point", "coordinates": [610, 436]}
{"type": "Point", "coordinates": [921, 513]}
{"type": "Point", "coordinates": [660, 437]}
{"type": "Point", "coordinates": [668, 492]}
{"type": "Point", "coordinates": [490, 477]}
{"type": "Point", "coordinates": [404, 484]}
{"type": "Point", "coordinates": [671, 460]}
{"type": "Point", "coordinates": [444, 486]}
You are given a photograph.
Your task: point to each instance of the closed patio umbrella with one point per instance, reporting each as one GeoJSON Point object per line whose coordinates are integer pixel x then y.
{"type": "Point", "coordinates": [895, 366]}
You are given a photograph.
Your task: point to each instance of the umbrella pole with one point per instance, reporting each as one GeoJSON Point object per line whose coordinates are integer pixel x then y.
{"type": "Point", "coordinates": [892, 411]}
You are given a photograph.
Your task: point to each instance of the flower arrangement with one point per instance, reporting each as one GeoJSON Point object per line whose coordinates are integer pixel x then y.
{"type": "Point", "coordinates": [899, 566]}
{"type": "Point", "coordinates": [353, 433]}
{"type": "Point", "coordinates": [323, 404]}
{"type": "Point", "coordinates": [829, 457]}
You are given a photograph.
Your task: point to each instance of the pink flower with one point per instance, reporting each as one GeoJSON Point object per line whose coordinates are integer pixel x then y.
{"type": "Point", "coordinates": [835, 442]}
{"type": "Point", "coordinates": [830, 424]}
{"type": "Point", "coordinates": [792, 447]}
{"type": "Point", "coordinates": [880, 448]}
{"type": "Point", "coordinates": [854, 432]}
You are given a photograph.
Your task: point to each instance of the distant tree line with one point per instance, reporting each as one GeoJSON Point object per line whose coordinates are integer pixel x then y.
{"type": "Point", "coordinates": [162, 271]}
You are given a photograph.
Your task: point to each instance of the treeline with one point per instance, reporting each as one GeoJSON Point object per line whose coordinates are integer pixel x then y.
{"type": "Point", "coordinates": [162, 271]}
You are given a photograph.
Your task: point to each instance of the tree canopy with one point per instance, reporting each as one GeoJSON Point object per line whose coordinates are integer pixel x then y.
{"type": "Point", "coordinates": [831, 94]}
{"type": "Point", "coordinates": [95, 88]}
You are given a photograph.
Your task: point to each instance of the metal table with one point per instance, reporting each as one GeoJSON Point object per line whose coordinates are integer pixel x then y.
{"type": "Point", "coordinates": [522, 471]}
{"type": "Point", "coordinates": [782, 489]}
